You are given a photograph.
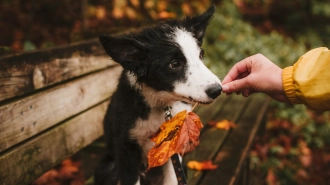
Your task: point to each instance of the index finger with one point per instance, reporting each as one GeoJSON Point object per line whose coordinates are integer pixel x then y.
{"type": "Point", "coordinates": [241, 67]}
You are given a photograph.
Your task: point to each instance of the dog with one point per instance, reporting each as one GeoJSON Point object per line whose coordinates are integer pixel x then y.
{"type": "Point", "coordinates": [162, 67]}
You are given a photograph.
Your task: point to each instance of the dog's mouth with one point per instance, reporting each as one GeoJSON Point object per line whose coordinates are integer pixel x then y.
{"type": "Point", "coordinates": [191, 100]}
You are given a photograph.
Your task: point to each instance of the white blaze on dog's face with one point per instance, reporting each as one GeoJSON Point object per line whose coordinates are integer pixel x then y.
{"type": "Point", "coordinates": [201, 85]}
{"type": "Point", "coordinates": [165, 62]}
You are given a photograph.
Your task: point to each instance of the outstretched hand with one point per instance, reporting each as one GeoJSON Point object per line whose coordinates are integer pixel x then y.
{"type": "Point", "coordinates": [255, 74]}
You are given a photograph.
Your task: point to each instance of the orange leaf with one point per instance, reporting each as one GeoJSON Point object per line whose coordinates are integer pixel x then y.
{"type": "Point", "coordinates": [224, 125]}
{"type": "Point", "coordinates": [166, 15]}
{"type": "Point", "coordinates": [177, 135]}
{"type": "Point", "coordinates": [205, 165]}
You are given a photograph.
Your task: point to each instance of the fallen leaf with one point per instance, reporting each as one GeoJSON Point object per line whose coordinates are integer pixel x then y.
{"type": "Point", "coordinates": [186, 7]}
{"type": "Point", "coordinates": [166, 15]}
{"type": "Point", "coordinates": [66, 173]}
{"type": "Point", "coordinates": [302, 174]}
{"type": "Point", "coordinates": [224, 124]}
{"type": "Point", "coordinates": [271, 178]}
{"type": "Point", "coordinates": [100, 12]}
{"type": "Point", "coordinates": [205, 165]}
{"type": "Point", "coordinates": [177, 135]}
{"type": "Point", "coordinates": [117, 13]}
{"type": "Point", "coordinates": [306, 158]}
{"type": "Point", "coordinates": [49, 177]}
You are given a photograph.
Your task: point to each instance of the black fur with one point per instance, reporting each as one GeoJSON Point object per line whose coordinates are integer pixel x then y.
{"type": "Point", "coordinates": [147, 55]}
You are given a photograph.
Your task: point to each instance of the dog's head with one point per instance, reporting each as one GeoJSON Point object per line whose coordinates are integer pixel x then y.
{"type": "Point", "coordinates": [168, 58]}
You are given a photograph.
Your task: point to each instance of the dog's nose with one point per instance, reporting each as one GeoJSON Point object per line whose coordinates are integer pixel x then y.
{"type": "Point", "coordinates": [214, 90]}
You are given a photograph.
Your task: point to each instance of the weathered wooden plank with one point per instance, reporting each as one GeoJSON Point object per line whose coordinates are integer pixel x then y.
{"type": "Point", "coordinates": [212, 139]}
{"type": "Point", "coordinates": [231, 157]}
{"type": "Point", "coordinates": [23, 73]}
{"type": "Point", "coordinates": [26, 117]}
{"type": "Point", "coordinates": [28, 161]}
{"type": "Point", "coordinates": [207, 113]}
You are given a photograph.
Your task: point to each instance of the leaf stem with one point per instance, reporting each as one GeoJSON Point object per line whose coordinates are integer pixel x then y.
{"type": "Point", "coordinates": [194, 106]}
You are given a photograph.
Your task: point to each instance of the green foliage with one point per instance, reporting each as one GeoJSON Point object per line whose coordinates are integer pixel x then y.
{"type": "Point", "coordinates": [28, 46]}
{"type": "Point", "coordinates": [230, 39]}
{"type": "Point", "coordinates": [321, 8]}
{"type": "Point", "coordinates": [4, 50]}
{"type": "Point", "coordinates": [293, 134]}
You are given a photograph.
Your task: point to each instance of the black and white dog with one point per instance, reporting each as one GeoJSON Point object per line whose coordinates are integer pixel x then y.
{"type": "Point", "coordinates": [162, 67]}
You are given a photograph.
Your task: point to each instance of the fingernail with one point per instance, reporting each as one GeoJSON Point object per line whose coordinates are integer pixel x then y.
{"type": "Point", "coordinates": [245, 94]}
{"type": "Point", "coordinates": [225, 88]}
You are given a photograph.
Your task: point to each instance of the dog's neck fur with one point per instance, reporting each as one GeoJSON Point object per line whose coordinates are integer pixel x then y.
{"type": "Point", "coordinates": [157, 101]}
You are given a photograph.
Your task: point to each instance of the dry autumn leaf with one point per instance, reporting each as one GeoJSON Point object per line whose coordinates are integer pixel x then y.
{"type": "Point", "coordinates": [68, 172]}
{"type": "Point", "coordinates": [224, 124]}
{"type": "Point", "coordinates": [178, 135]}
{"type": "Point", "coordinates": [166, 15]}
{"type": "Point", "coordinates": [205, 165]}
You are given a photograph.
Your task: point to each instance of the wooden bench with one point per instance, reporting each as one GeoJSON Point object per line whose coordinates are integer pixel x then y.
{"type": "Point", "coordinates": [52, 104]}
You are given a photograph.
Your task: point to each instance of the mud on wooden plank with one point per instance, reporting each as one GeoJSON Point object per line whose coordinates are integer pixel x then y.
{"type": "Point", "coordinates": [26, 117]}
{"type": "Point", "coordinates": [235, 149]}
{"type": "Point", "coordinates": [211, 139]}
{"type": "Point", "coordinates": [25, 163]}
{"type": "Point", "coordinates": [23, 73]}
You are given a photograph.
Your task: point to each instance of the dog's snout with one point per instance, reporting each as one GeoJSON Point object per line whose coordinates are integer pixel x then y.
{"type": "Point", "coordinates": [214, 90]}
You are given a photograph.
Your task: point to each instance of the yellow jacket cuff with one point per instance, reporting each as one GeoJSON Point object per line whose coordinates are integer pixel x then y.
{"type": "Point", "coordinates": [288, 86]}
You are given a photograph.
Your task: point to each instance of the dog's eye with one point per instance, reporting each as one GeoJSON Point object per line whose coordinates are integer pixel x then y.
{"type": "Point", "coordinates": [201, 54]}
{"type": "Point", "coordinates": [175, 64]}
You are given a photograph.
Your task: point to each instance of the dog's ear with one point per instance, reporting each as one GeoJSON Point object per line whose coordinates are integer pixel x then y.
{"type": "Point", "coordinates": [199, 23]}
{"type": "Point", "coordinates": [125, 50]}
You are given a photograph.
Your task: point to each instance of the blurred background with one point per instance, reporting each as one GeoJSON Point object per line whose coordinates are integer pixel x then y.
{"type": "Point", "coordinates": [294, 147]}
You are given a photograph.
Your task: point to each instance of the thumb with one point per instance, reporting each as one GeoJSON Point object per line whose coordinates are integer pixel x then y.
{"type": "Point", "coordinates": [235, 86]}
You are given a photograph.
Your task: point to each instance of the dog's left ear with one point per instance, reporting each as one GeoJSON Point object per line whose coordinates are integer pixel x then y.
{"type": "Point", "coordinates": [125, 50]}
{"type": "Point", "coordinates": [199, 23]}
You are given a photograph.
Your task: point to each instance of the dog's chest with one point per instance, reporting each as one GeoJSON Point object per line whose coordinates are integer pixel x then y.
{"type": "Point", "coordinates": [143, 129]}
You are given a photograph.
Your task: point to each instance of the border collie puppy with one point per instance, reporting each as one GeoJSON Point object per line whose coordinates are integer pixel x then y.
{"type": "Point", "coordinates": [163, 67]}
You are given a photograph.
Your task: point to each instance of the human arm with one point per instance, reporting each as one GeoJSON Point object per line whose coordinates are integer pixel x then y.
{"type": "Point", "coordinates": [307, 81]}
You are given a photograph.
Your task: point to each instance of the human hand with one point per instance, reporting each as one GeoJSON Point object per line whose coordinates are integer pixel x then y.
{"type": "Point", "coordinates": [255, 74]}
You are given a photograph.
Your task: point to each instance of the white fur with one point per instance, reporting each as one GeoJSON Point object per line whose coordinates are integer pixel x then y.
{"type": "Point", "coordinates": [199, 77]}
{"type": "Point", "coordinates": [143, 129]}
{"type": "Point", "coordinates": [138, 181]}
{"type": "Point", "coordinates": [169, 174]}
{"type": "Point", "coordinates": [146, 128]}
{"type": "Point", "coordinates": [157, 100]}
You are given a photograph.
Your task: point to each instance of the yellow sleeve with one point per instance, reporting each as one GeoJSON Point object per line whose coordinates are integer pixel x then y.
{"type": "Point", "coordinates": [308, 80]}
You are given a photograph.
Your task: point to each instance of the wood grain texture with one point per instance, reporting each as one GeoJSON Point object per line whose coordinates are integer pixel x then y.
{"type": "Point", "coordinates": [209, 112]}
{"type": "Point", "coordinates": [212, 139]}
{"type": "Point", "coordinates": [26, 117]}
{"type": "Point", "coordinates": [24, 73]}
{"type": "Point", "coordinates": [25, 163]}
{"type": "Point", "coordinates": [235, 150]}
